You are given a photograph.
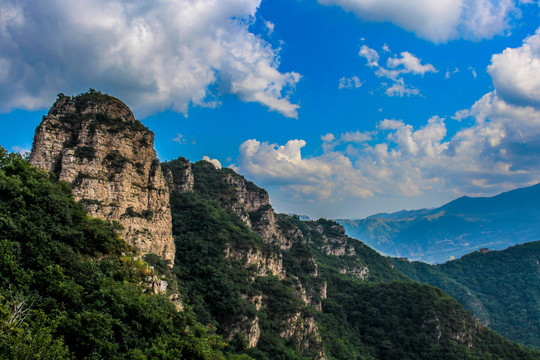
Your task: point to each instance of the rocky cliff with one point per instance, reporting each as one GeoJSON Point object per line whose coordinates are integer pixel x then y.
{"type": "Point", "coordinates": [93, 142]}
{"type": "Point", "coordinates": [254, 252]}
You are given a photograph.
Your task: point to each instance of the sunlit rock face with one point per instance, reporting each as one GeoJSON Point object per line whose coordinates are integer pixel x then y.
{"type": "Point", "coordinates": [93, 142]}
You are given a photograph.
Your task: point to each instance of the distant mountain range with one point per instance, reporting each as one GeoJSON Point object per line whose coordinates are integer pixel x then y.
{"type": "Point", "coordinates": [455, 229]}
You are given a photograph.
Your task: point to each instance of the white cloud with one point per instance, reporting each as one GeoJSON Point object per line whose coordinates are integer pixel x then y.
{"type": "Point", "coordinates": [515, 72]}
{"type": "Point", "coordinates": [397, 67]}
{"type": "Point", "coordinates": [498, 152]}
{"type": "Point", "coordinates": [328, 137]}
{"type": "Point", "coordinates": [473, 71]}
{"type": "Point", "coordinates": [168, 54]}
{"type": "Point", "coordinates": [330, 141]}
{"type": "Point", "coordinates": [498, 149]}
{"type": "Point", "coordinates": [399, 88]}
{"type": "Point", "coordinates": [437, 21]}
{"type": "Point", "coordinates": [390, 124]}
{"type": "Point", "coordinates": [179, 139]}
{"type": "Point", "coordinates": [349, 83]}
{"type": "Point", "coordinates": [269, 27]}
{"type": "Point", "coordinates": [371, 55]}
{"type": "Point", "coordinates": [282, 164]}
{"type": "Point", "coordinates": [354, 137]}
{"type": "Point", "coordinates": [449, 74]}
{"type": "Point", "coordinates": [410, 64]}
{"type": "Point", "coordinates": [386, 48]}
{"type": "Point", "coordinates": [214, 162]}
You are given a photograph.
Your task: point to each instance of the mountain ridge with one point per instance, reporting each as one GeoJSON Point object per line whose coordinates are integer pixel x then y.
{"type": "Point", "coordinates": [454, 229]}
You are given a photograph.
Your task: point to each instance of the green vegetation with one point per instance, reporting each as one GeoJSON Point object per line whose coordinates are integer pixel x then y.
{"type": "Point", "coordinates": [145, 214]}
{"type": "Point", "coordinates": [117, 125]}
{"type": "Point", "coordinates": [92, 96]}
{"type": "Point", "coordinates": [218, 286]}
{"type": "Point", "coordinates": [386, 316]}
{"type": "Point", "coordinates": [85, 152]}
{"type": "Point", "coordinates": [67, 290]}
{"type": "Point", "coordinates": [115, 161]}
{"type": "Point", "coordinates": [502, 288]}
{"type": "Point", "coordinates": [114, 125]}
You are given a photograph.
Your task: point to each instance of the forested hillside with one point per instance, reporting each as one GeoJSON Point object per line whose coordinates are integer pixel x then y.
{"type": "Point", "coordinates": [363, 308]}
{"type": "Point", "coordinates": [70, 287]}
{"type": "Point", "coordinates": [501, 288]}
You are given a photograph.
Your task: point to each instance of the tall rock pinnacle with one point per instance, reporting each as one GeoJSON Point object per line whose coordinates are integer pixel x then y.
{"type": "Point", "coordinates": [94, 142]}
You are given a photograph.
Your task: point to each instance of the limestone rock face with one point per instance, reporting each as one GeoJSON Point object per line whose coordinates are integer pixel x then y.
{"type": "Point", "coordinates": [360, 272]}
{"type": "Point", "coordinates": [264, 264]}
{"type": "Point", "coordinates": [182, 180]}
{"type": "Point", "coordinates": [304, 329]}
{"type": "Point", "coordinates": [252, 205]}
{"type": "Point", "coordinates": [94, 142]}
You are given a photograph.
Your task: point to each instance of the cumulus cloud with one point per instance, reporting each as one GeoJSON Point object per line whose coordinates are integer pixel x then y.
{"type": "Point", "coordinates": [437, 21]}
{"type": "Point", "coordinates": [349, 83]}
{"type": "Point", "coordinates": [371, 55]}
{"type": "Point", "coordinates": [314, 178]}
{"type": "Point", "coordinates": [410, 64]}
{"type": "Point", "coordinates": [179, 139]}
{"type": "Point", "coordinates": [399, 88]}
{"type": "Point", "coordinates": [214, 162]}
{"type": "Point", "coordinates": [397, 66]}
{"type": "Point", "coordinates": [328, 137]}
{"type": "Point", "coordinates": [449, 73]}
{"type": "Point", "coordinates": [499, 151]}
{"type": "Point", "coordinates": [330, 141]}
{"type": "Point", "coordinates": [269, 27]}
{"type": "Point", "coordinates": [515, 72]}
{"type": "Point", "coordinates": [156, 55]}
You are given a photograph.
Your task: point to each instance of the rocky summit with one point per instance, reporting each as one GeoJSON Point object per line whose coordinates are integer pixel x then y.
{"type": "Point", "coordinates": [94, 142]}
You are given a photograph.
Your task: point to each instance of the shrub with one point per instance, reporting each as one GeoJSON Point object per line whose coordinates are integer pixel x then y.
{"type": "Point", "coordinates": [85, 152]}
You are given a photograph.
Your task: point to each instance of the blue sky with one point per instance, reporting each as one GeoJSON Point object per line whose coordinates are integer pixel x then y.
{"type": "Point", "coordinates": [340, 108]}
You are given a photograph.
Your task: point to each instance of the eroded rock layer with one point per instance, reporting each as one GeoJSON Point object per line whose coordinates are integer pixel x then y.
{"type": "Point", "coordinates": [93, 142]}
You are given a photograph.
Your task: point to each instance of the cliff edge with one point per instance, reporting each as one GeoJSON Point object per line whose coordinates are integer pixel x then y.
{"type": "Point", "coordinates": [94, 142]}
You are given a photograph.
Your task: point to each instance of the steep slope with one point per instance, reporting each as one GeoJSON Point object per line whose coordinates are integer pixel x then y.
{"type": "Point", "coordinates": [230, 265]}
{"type": "Point", "coordinates": [501, 288]}
{"type": "Point", "coordinates": [93, 142]}
{"type": "Point", "coordinates": [281, 288]}
{"type": "Point", "coordinates": [455, 229]}
{"type": "Point", "coordinates": [71, 288]}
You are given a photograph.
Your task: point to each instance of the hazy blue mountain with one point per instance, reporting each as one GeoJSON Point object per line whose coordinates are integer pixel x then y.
{"type": "Point", "coordinates": [455, 229]}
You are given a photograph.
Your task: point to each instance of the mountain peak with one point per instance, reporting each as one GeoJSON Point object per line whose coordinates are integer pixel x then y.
{"type": "Point", "coordinates": [94, 142]}
{"type": "Point", "coordinates": [92, 102]}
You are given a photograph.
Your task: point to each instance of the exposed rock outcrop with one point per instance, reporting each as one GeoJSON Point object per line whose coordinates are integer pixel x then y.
{"type": "Point", "coordinates": [360, 272]}
{"type": "Point", "coordinates": [303, 328]}
{"type": "Point", "coordinates": [264, 264]}
{"type": "Point", "coordinates": [182, 180]}
{"type": "Point", "coordinates": [252, 205]}
{"type": "Point", "coordinates": [94, 142]}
